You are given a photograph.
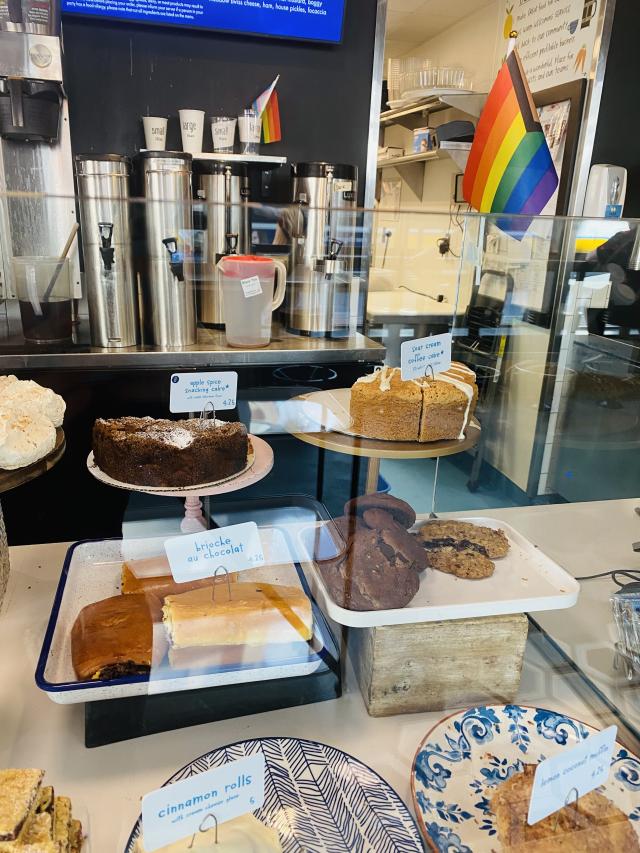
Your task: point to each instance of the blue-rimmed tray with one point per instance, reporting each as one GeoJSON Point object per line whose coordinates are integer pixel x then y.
{"type": "Point", "coordinates": [92, 571]}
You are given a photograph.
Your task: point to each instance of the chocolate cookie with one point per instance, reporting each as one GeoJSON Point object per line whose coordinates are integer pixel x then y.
{"type": "Point", "coordinates": [442, 533]}
{"type": "Point", "coordinates": [400, 510]}
{"type": "Point", "coordinates": [348, 525]}
{"type": "Point", "coordinates": [461, 562]}
{"type": "Point", "coordinates": [378, 519]}
{"type": "Point", "coordinates": [370, 576]}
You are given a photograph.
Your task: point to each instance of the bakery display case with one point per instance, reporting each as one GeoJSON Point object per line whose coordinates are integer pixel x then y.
{"type": "Point", "coordinates": [368, 574]}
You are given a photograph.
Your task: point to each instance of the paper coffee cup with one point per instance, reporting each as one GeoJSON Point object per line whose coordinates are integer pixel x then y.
{"type": "Point", "coordinates": [191, 128]}
{"type": "Point", "coordinates": [223, 133]}
{"type": "Point", "coordinates": [155, 132]}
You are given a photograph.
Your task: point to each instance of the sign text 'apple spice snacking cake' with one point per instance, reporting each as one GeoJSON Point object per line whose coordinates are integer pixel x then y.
{"type": "Point", "coordinates": [385, 406]}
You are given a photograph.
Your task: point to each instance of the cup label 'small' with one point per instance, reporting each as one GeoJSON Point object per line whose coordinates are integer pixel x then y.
{"type": "Point", "coordinates": [190, 392]}
{"type": "Point", "coordinates": [423, 355]}
{"type": "Point", "coordinates": [200, 555]}
{"type": "Point", "coordinates": [184, 808]}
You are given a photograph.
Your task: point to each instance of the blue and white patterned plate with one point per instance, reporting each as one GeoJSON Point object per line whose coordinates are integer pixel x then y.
{"type": "Point", "coordinates": [319, 799]}
{"type": "Point", "coordinates": [466, 755]}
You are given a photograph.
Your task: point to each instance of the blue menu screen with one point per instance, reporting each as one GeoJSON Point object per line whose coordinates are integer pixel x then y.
{"type": "Point", "coordinates": [317, 20]}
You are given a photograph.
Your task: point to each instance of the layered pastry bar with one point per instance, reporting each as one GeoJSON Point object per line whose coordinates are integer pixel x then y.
{"type": "Point", "coordinates": [19, 795]}
{"type": "Point", "coordinates": [149, 452]}
{"type": "Point", "coordinates": [113, 638]}
{"type": "Point", "coordinates": [33, 819]}
{"type": "Point", "coordinates": [248, 614]}
{"type": "Point", "coordinates": [386, 407]}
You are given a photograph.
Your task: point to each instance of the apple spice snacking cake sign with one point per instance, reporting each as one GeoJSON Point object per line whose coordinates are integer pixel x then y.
{"type": "Point", "coordinates": [425, 356]}
{"type": "Point", "coordinates": [202, 555]}
{"type": "Point", "coordinates": [183, 808]}
{"type": "Point", "coordinates": [190, 392]}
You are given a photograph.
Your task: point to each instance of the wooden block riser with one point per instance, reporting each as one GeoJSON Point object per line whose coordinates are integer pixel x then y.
{"type": "Point", "coordinates": [434, 666]}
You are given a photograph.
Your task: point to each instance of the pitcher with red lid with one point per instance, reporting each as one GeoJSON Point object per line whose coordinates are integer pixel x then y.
{"type": "Point", "coordinates": [248, 299]}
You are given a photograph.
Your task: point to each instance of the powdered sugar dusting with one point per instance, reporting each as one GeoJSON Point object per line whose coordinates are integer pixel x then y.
{"type": "Point", "coordinates": [177, 437]}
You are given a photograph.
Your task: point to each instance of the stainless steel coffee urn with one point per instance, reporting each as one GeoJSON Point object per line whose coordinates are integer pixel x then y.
{"type": "Point", "coordinates": [321, 275]}
{"type": "Point", "coordinates": [103, 193]}
{"type": "Point", "coordinates": [222, 188]}
{"type": "Point", "coordinates": [167, 272]}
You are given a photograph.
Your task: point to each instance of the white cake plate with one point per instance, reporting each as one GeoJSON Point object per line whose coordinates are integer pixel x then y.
{"type": "Point", "coordinates": [259, 464]}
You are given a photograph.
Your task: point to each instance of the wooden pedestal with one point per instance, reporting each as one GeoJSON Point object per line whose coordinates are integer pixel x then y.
{"type": "Point", "coordinates": [433, 666]}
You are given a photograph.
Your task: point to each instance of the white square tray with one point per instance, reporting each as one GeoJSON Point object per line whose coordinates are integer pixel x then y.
{"type": "Point", "coordinates": [524, 581]}
{"type": "Point", "coordinates": [92, 572]}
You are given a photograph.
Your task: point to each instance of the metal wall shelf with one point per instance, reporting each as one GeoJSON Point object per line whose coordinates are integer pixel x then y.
{"type": "Point", "coordinates": [411, 115]}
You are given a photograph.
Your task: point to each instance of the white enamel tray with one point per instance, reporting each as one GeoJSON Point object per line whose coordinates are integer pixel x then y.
{"type": "Point", "coordinates": [92, 572]}
{"type": "Point", "coordinates": [524, 581]}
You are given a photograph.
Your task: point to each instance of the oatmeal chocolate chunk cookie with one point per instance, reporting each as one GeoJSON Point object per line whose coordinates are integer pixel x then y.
{"type": "Point", "coordinates": [439, 533]}
{"type": "Point", "coordinates": [461, 562]}
{"type": "Point", "coordinates": [400, 510]}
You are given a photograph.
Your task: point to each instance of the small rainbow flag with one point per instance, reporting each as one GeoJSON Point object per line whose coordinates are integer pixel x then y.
{"type": "Point", "coordinates": [266, 105]}
{"type": "Point", "coordinates": [510, 169]}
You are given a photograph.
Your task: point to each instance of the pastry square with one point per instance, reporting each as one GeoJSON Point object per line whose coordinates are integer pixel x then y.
{"type": "Point", "coordinates": [19, 793]}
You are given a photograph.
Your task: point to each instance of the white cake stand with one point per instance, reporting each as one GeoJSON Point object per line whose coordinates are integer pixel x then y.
{"type": "Point", "coordinates": [194, 521]}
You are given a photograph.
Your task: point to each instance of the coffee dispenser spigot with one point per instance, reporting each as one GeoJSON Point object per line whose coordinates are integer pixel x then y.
{"type": "Point", "coordinates": [175, 257]}
{"type": "Point", "coordinates": [231, 241]}
{"type": "Point", "coordinates": [107, 252]}
{"type": "Point", "coordinates": [330, 264]}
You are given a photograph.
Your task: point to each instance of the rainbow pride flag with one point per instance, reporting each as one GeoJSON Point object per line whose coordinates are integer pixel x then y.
{"type": "Point", "coordinates": [510, 169]}
{"type": "Point", "coordinates": [267, 107]}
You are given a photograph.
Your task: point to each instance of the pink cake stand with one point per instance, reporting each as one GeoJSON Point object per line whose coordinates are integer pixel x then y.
{"type": "Point", "coordinates": [194, 521]}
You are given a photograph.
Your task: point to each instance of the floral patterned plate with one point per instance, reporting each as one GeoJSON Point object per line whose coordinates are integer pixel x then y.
{"type": "Point", "coordinates": [467, 754]}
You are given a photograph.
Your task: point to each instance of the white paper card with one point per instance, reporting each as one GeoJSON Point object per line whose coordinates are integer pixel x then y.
{"type": "Point", "coordinates": [582, 768]}
{"type": "Point", "coordinates": [190, 392]}
{"type": "Point", "coordinates": [251, 286]}
{"type": "Point", "coordinates": [183, 808]}
{"type": "Point", "coordinates": [419, 356]}
{"type": "Point", "coordinates": [236, 547]}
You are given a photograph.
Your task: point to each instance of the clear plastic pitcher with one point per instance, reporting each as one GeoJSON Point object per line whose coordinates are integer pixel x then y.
{"type": "Point", "coordinates": [248, 299]}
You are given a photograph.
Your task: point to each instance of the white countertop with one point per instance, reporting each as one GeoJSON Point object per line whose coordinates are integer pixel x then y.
{"type": "Point", "coordinates": [109, 781]}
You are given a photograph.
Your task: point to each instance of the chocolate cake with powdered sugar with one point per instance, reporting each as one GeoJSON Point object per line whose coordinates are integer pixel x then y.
{"type": "Point", "coordinates": [150, 452]}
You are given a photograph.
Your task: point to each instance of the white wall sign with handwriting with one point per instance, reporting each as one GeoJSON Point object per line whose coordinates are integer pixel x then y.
{"type": "Point", "coordinates": [555, 38]}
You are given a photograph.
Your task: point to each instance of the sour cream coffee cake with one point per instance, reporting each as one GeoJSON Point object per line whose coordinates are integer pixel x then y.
{"type": "Point", "coordinates": [384, 406]}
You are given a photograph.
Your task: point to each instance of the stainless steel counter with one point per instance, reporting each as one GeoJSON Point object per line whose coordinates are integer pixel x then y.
{"type": "Point", "coordinates": [211, 350]}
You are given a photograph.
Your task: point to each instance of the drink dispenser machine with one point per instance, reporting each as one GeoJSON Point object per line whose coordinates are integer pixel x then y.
{"type": "Point", "coordinates": [320, 283]}
{"type": "Point", "coordinates": [222, 190]}
{"type": "Point", "coordinates": [169, 304]}
{"type": "Point", "coordinates": [35, 146]}
{"type": "Point", "coordinates": [103, 191]}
